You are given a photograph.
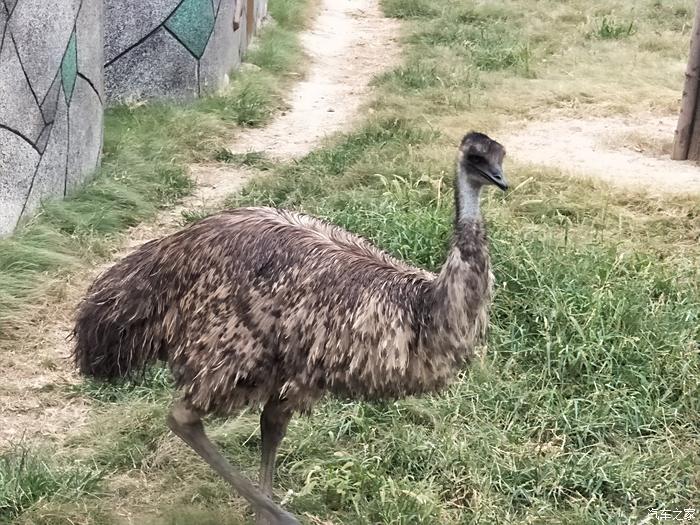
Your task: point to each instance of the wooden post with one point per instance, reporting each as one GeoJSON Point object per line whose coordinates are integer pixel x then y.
{"type": "Point", "coordinates": [687, 139]}
{"type": "Point", "coordinates": [250, 19]}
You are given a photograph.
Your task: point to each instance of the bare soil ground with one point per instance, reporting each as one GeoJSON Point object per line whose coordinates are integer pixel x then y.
{"type": "Point", "coordinates": [631, 152]}
{"type": "Point", "coordinates": [349, 42]}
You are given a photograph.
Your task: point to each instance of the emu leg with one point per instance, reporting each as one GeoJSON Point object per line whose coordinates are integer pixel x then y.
{"type": "Point", "coordinates": [187, 425]}
{"type": "Point", "coordinates": [273, 426]}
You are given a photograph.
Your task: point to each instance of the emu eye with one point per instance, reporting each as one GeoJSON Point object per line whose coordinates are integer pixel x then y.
{"type": "Point", "coordinates": [475, 159]}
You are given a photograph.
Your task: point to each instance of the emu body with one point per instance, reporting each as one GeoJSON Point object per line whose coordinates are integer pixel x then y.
{"type": "Point", "coordinates": [258, 302]}
{"type": "Point", "coordinates": [268, 307]}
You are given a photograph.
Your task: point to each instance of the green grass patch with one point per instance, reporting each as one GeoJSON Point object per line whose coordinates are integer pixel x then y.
{"type": "Point", "coordinates": [487, 41]}
{"type": "Point", "coordinates": [126, 436]}
{"type": "Point", "coordinates": [255, 100]}
{"type": "Point", "coordinates": [28, 477]}
{"type": "Point", "coordinates": [292, 15]}
{"type": "Point", "coordinates": [156, 382]}
{"type": "Point", "coordinates": [526, 58]}
{"type": "Point", "coordinates": [611, 28]}
{"type": "Point", "coordinates": [278, 51]}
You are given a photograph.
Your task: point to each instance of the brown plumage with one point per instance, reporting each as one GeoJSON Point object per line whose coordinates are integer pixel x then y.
{"type": "Point", "coordinates": [260, 306]}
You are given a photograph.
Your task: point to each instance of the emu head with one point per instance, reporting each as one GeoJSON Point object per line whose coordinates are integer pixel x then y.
{"type": "Point", "coordinates": [480, 161]}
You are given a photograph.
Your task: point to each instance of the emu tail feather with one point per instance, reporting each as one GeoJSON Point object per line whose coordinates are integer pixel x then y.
{"type": "Point", "coordinates": [115, 332]}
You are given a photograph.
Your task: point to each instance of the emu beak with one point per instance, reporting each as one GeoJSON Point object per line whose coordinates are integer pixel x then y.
{"type": "Point", "coordinates": [495, 175]}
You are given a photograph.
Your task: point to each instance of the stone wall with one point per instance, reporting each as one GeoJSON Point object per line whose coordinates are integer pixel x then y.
{"type": "Point", "coordinates": [57, 67]}
{"type": "Point", "coordinates": [174, 48]}
{"type": "Point", "coordinates": [51, 92]}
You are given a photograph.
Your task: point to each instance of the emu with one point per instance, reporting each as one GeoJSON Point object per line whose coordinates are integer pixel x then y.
{"type": "Point", "coordinates": [273, 308]}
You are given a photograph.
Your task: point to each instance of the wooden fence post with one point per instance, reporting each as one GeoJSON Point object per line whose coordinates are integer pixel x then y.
{"type": "Point", "coordinates": [687, 138]}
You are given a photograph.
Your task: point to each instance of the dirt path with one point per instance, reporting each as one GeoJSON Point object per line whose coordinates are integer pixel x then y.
{"type": "Point", "coordinates": [349, 43]}
{"type": "Point", "coordinates": [629, 152]}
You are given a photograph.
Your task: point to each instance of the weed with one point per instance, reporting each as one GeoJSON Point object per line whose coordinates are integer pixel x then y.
{"type": "Point", "coordinates": [191, 216]}
{"type": "Point", "coordinates": [253, 106]}
{"type": "Point", "coordinates": [250, 100]}
{"type": "Point", "coordinates": [278, 49]}
{"type": "Point", "coordinates": [610, 28]}
{"type": "Point", "coordinates": [424, 74]}
{"type": "Point", "coordinates": [291, 15]}
{"type": "Point", "coordinates": [489, 44]}
{"type": "Point", "coordinates": [126, 435]}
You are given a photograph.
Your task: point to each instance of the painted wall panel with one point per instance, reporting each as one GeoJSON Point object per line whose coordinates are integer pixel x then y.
{"type": "Point", "coordinates": [51, 86]}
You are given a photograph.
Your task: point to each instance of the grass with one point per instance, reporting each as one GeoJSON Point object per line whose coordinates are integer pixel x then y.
{"type": "Point", "coordinates": [254, 102]}
{"type": "Point", "coordinates": [586, 407]}
{"type": "Point", "coordinates": [252, 159]}
{"type": "Point", "coordinates": [151, 387]}
{"type": "Point", "coordinates": [520, 58]}
{"type": "Point", "coordinates": [609, 28]}
{"type": "Point", "coordinates": [27, 478]}
{"type": "Point", "coordinates": [408, 9]}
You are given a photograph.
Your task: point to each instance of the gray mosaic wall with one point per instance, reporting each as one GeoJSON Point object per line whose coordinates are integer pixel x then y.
{"type": "Point", "coordinates": [57, 67]}
{"type": "Point", "coordinates": [174, 48]}
{"type": "Point", "coordinates": [51, 92]}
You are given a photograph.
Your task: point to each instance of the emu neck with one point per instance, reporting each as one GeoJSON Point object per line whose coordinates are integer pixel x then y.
{"type": "Point", "coordinates": [461, 292]}
{"type": "Point", "coordinates": [469, 237]}
{"type": "Point", "coordinates": [467, 195]}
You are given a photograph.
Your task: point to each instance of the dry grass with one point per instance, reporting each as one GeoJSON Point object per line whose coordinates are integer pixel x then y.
{"type": "Point", "coordinates": [538, 58]}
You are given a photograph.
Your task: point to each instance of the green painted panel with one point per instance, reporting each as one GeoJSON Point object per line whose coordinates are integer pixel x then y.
{"type": "Point", "coordinates": [193, 23]}
{"type": "Point", "coordinates": [69, 67]}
